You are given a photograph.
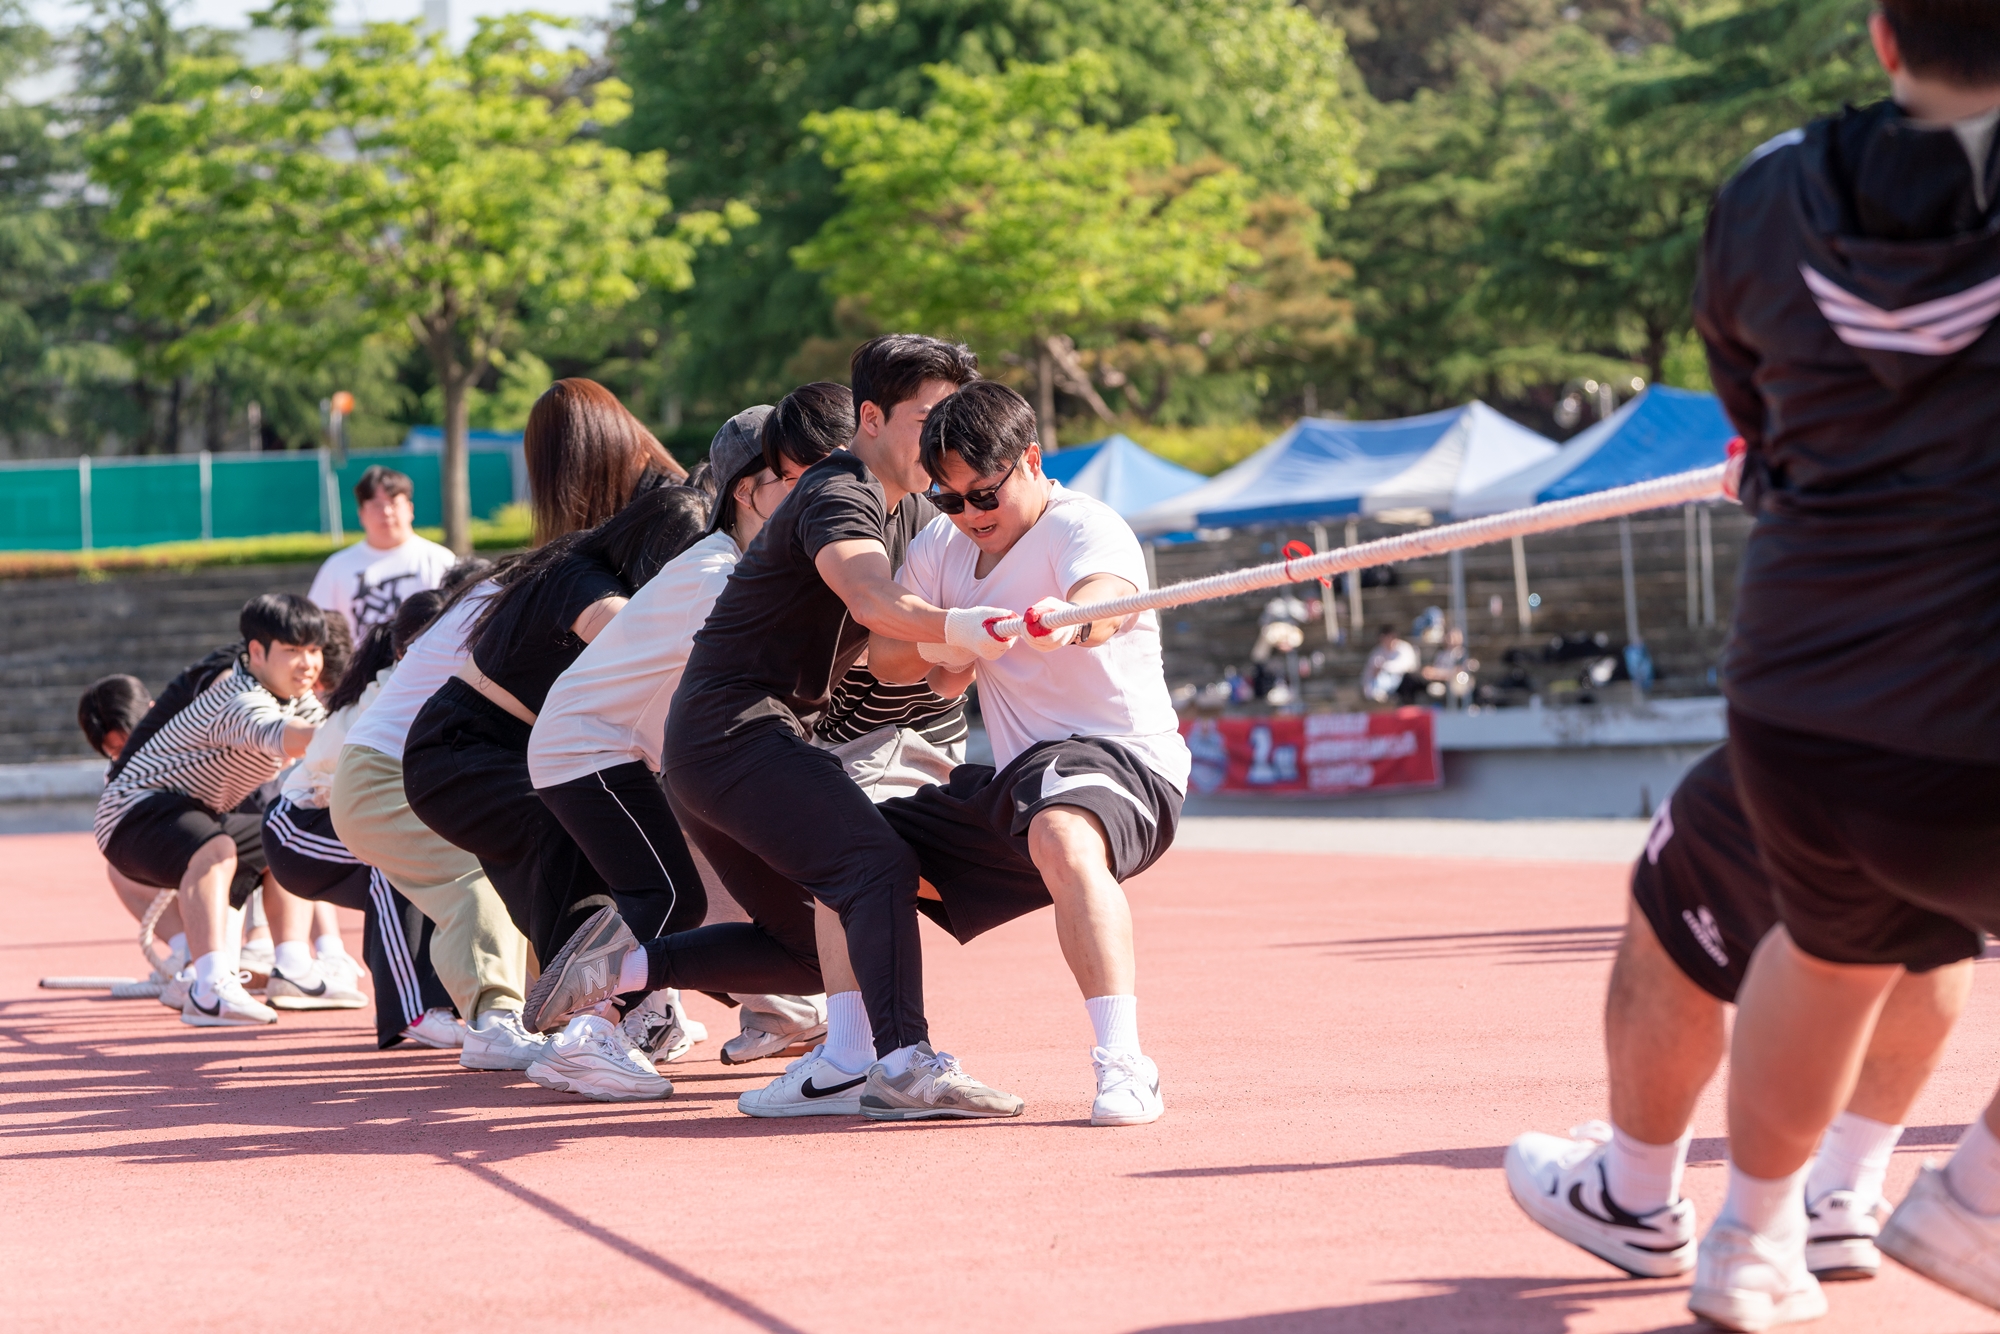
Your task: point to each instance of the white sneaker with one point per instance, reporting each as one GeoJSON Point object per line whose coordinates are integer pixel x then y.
{"type": "Point", "coordinates": [1743, 1281]}
{"type": "Point", "coordinates": [343, 972]}
{"type": "Point", "coordinates": [497, 1041]}
{"type": "Point", "coordinates": [257, 958]}
{"type": "Point", "coordinates": [774, 1025]}
{"type": "Point", "coordinates": [174, 993]}
{"type": "Point", "coordinates": [592, 1056]}
{"type": "Point", "coordinates": [657, 1026]}
{"type": "Point", "coordinates": [1946, 1242]}
{"type": "Point", "coordinates": [696, 1030]}
{"type": "Point", "coordinates": [233, 1007]}
{"type": "Point", "coordinates": [312, 991]}
{"type": "Point", "coordinates": [1841, 1228]}
{"type": "Point", "coordinates": [439, 1029]}
{"type": "Point", "coordinates": [1128, 1089]}
{"type": "Point", "coordinates": [810, 1086]}
{"type": "Point", "coordinates": [1559, 1182]}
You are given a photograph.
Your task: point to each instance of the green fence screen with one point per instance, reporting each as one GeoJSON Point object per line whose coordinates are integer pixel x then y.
{"type": "Point", "coordinates": [79, 504]}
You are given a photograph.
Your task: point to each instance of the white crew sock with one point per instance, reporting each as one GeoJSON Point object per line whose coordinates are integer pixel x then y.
{"type": "Point", "coordinates": [897, 1062]}
{"type": "Point", "coordinates": [850, 1041]}
{"type": "Point", "coordinates": [1773, 1209]}
{"type": "Point", "coordinates": [1973, 1172]}
{"type": "Point", "coordinates": [1643, 1177]}
{"type": "Point", "coordinates": [329, 947]}
{"type": "Point", "coordinates": [1115, 1019]}
{"type": "Point", "coordinates": [1853, 1156]}
{"type": "Point", "coordinates": [632, 971]}
{"type": "Point", "coordinates": [294, 958]}
{"type": "Point", "coordinates": [207, 969]}
{"type": "Point", "coordinates": [178, 944]}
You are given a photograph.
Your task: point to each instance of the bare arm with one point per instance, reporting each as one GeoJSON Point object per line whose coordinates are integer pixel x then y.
{"type": "Point", "coordinates": [297, 736]}
{"type": "Point", "coordinates": [858, 572]}
{"type": "Point", "coordinates": [591, 621]}
{"type": "Point", "coordinates": [1102, 588]}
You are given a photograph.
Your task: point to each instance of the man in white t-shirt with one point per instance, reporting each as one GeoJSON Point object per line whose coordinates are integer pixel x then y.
{"type": "Point", "coordinates": [369, 580]}
{"type": "Point", "coordinates": [1091, 765]}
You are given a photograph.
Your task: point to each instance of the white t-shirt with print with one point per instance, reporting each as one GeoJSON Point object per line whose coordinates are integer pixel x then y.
{"type": "Point", "coordinates": [367, 584]}
{"type": "Point", "coordinates": [1116, 691]}
{"type": "Point", "coordinates": [433, 658]}
{"type": "Point", "coordinates": [609, 707]}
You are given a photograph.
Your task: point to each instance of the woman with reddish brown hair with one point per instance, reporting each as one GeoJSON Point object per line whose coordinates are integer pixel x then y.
{"type": "Point", "coordinates": [587, 455]}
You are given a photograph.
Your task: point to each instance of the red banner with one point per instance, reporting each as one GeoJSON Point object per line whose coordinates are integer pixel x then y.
{"type": "Point", "coordinates": [1318, 755]}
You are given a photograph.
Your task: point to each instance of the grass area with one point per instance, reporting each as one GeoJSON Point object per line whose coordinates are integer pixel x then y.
{"type": "Point", "coordinates": [507, 530]}
{"type": "Point", "coordinates": [1206, 449]}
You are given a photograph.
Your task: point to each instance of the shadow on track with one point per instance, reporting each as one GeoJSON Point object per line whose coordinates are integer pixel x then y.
{"type": "Point", "coordinates": [1462, 1305]}
{"type": "Point", "coordinates": [1468, 1159]}
{"type": "Point", "coordinates": [1566, 944]}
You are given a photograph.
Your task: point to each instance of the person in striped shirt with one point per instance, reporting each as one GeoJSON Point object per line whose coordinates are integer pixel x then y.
{"type": "Point", "coordinates": [168, 814]}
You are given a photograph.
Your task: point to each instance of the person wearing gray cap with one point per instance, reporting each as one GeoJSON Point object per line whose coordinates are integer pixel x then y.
{"type": "Point", "coordinates": [594, 754]}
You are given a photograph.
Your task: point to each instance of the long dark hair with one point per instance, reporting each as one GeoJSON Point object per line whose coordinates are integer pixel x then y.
{"type": "Point", "coordinates": [585, 454]}
{"type": "Point", "coordinates": [376, 651]}
{"type": "Point", "coordinates": [634, 543]}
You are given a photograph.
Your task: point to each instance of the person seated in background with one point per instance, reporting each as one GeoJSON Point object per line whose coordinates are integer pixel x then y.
{"type": "Point", "coordinates": [168, 815]}
{"type": "Point", "coordinates": [1391, 670]}
{"type": "Point", "coordinates": [366, 582]}
{"type": "Point", "coordinates": [1451, 674]}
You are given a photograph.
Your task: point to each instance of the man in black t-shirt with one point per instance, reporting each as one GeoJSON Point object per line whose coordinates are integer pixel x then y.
{"type": "Point", "coordinates": [776, 816]}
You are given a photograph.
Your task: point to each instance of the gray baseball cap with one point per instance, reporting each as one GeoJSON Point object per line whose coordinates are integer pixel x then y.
{"type": "Point", "coordinates": [738, 442]}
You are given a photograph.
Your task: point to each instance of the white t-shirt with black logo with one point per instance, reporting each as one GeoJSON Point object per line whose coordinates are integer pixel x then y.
{"type": "Point", "coordinates": [1116, 691]}
{"type": "Point", "coordinates": [609, 707]}
{"type": "Point", "coordinates": [367, 584]}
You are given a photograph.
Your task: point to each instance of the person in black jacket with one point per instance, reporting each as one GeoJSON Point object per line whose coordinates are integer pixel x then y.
{"type": "Point", "coordinates": [1849, 290]}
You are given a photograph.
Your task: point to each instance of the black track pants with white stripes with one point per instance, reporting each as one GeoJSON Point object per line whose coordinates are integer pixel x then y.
{"type": "Point", "coordinates": [620, 818]}
{"type": "Point", "coordinates": [309, 860]}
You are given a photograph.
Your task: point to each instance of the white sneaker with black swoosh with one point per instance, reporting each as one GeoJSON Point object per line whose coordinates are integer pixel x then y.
{"type": "Point", "coordinates": [1128, 1089]}
{"type": "Point", "coordinates": [231, 1006]}
{"type": "Point", "coordinates": [810, 1086]}
{"type": "Point", "coordinates": [1558, 1180]}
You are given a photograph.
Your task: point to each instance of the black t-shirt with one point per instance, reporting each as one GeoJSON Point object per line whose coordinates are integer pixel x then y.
{"type": "Point", "coordinates": [778, 637]}
{"type": "Point", "coordinates": [529, 643]}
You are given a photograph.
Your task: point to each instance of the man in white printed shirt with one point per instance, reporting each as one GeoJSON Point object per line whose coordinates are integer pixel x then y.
{"type": "Point", "coordinates": [368, 581]}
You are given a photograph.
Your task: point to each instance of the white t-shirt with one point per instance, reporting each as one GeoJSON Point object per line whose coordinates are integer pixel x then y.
{"type": "Point", "coordinates": [610, 706]}
{"type": "Point", "coordinates": [367, 584]}
{"type": "Point", "coordinates": [310, 781]}
{"type": "Point", "coordinates": [427, 664]}
{"type": "Point", "coordinates": [1115, 691]}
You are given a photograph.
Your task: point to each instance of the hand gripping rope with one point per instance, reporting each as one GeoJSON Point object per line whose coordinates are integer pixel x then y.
{"type": "Point", "coordinates": [1299, 566]}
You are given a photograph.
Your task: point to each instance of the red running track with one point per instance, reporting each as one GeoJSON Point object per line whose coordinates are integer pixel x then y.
{"type": "Point", "coordinates": [1347, 1043]}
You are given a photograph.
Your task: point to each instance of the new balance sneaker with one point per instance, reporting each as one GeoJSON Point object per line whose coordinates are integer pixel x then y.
{"type": "Point", "coordinates": [1743, 1281]}
{"type": "Point", "coordinates": [1940, 1238]}
{"type": "Point", "coordinates": [1559, 1182]}
{"type": "Point", "coordinates": [810, 1086]}
{"type": "Point", "coordinates": [232, 1007]}
{"type": "Point", "coordinates": [438, 1028]}
{"type": "Point", "coordinates": [594, 1057]}
{"type": "Point", "coordinates": [497, 1041]}
{"type": "Point", "coordinates": [583, 975]}
{"type": "Point", "coordinates": [1841, 1228]}
{"type": "Point", "coordinates": [774, 1025]}
{"type": "Point", "coordinates": [657, 1026]}
{"type": "Point", "coordinates": [174, 993]}
{"type": "Point", "coordinates": [312, 991]}
{"type": "Point", "coordinates": [1128, 1089]}
{"type": "Point", "coordinates": [933, 1088]}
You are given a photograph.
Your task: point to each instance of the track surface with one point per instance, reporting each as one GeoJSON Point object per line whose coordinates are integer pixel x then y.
{"type": "Point", "coordinates": [1347, 1043]}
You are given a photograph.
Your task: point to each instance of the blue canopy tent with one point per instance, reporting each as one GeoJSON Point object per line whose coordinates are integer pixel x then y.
{"type": "Point", "coordinates": [1661, 432]}
{"type": "Point", "coordinates": [1323, 469]}
{"type": "Point", "coordinates": [1120, 472]}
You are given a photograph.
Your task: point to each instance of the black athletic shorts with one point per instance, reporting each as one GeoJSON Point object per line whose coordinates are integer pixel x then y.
{"type": "Point", "coordinates": [971, 835]}
{"type": "Point", "coordinates": [1876, 857]}
{"type": "Point", "coordinates": [154, 841]}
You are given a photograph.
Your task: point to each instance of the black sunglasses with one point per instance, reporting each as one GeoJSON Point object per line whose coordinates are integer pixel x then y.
{"type": "Point", "coordinates": [985, 501]}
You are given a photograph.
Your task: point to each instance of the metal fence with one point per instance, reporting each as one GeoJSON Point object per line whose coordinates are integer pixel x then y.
{"type": "Point", "coordinates": [83, 503]}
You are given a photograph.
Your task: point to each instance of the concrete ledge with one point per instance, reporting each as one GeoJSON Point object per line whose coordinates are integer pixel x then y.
{"type": "Point", "coordinates": [1701, 721]}
{"type": "Point", "coordinates": [52, 780]}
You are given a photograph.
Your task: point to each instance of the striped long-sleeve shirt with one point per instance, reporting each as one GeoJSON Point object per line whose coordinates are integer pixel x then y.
{"type": "Point", "coordinates": [862, 703]}
{"type": "Point", "coordinates": [220, 748]}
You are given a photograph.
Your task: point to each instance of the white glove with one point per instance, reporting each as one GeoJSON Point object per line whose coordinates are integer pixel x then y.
{"type": "Point", "coordinates": [1049, 640]}
{"type": "Point", "coordinates": [971, 629]}
{"type": "Point", "coordinates": [944, 655]}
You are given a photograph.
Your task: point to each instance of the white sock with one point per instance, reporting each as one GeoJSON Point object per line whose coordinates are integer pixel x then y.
{"type": "Point", "coordinates": [1853, 1156]}
{"type": "Point", "coordinates": [207, 969]}
{"type": "Point", "coordinates": [850, 1041]}
{"type": "Point", "coordinates": [294, 958]}
{"type": "Point", "coordinates": [1973, 1173]}
{"type": "Point", "coordinates": [1773, 1209]}
{"type": "Point", "coordinates": [1115, 1019]}
{"type": "Point", "coordinates": [898, 1061]}
{"type": "Point", "coordinates": [178, 944]}
{"type": "Point", "coordinates": [329, 947]}
{"type": "Point", "coordinates": [632, 971]}
{"type": "Point", "coordinates": [1643, 1177]}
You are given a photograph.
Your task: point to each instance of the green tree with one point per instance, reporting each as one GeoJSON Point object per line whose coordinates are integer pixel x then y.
{"type": "Point", "coordinates": [1002, 215]}
{"type": "Point", "coordinates": [392, 190]}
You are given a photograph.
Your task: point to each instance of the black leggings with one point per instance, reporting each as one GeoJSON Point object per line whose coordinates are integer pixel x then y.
{"type": "Point", "coordinates": [620, 818]}
{"type": "Point", "coordinates": [309, 860]}
{"type": "Point", "coordinates": [783, 825]}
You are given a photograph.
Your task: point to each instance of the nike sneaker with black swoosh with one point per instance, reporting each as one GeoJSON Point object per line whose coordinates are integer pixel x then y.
{"type": "Point", "coordinates": [1559, 1182]}
{"type": "Point", "coordinates": [1841, 1230]}
{"type": "Point", "coordinates": [313, 990]}
{"type": "Point", "coordinates": [231, 1006]}
{"type": "Point", "coordinates": [1128, 1089]}
{"type": "Point", "coordinates": [810, 1086]}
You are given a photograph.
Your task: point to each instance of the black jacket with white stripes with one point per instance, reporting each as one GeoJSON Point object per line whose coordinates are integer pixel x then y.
{"type": "Point", "coordinates": [1849, 288]}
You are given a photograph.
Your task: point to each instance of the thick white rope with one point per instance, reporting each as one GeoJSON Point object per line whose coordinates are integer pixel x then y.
{"type": "Point", "coordinates": [1659, 493]}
